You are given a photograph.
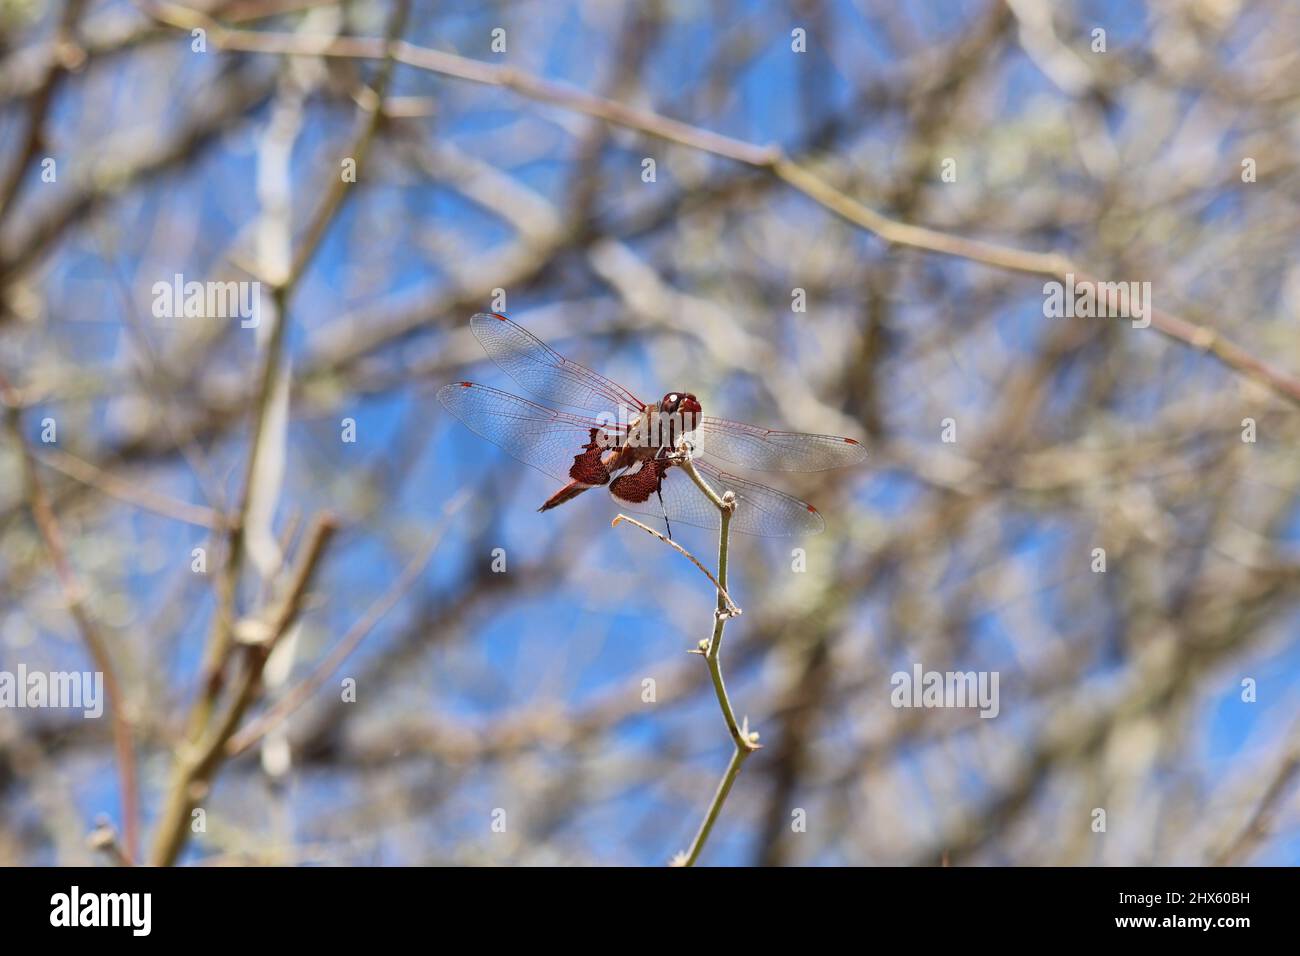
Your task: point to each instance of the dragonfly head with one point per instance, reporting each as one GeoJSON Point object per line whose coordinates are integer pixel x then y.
{"type": "Point", "coordinates": [685, 404]}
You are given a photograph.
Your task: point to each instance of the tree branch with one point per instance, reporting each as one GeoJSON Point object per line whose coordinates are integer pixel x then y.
{"type": "Point", "coordinates": [795, 174]}
{"type": "Point", "coordinates": [746, 742]}
{"type": "Point", "coordinates": [74, 596]}
{"type": "Point", "coordinates": [198, 762]}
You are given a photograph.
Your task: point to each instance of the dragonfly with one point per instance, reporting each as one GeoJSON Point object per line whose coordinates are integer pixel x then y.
{"type": "Point", "coordinates": [634, 449]}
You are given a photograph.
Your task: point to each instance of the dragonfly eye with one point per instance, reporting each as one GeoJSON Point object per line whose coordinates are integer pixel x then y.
{"type": "Point", "coordinates": [689, 406]}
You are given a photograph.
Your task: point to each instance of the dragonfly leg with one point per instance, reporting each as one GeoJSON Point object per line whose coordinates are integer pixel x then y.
{"type": "Point", "coordinates": [663, 453]}
{"type": "Point", "coordinates": [664, 508]}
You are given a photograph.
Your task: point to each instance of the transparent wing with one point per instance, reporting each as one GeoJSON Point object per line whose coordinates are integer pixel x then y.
{"type": "Point", "coordinates": [545, 372]}
{"type": "Point", "coordinates": [760, 510]}
{"type": "Point", "coordinates": [769, 450]}
{"type": "Point", "coordinates": [534, 434]}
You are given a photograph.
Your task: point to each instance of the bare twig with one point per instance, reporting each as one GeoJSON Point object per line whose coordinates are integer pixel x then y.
{"type": "Point", "coordinates": [310, 684]}
{"type": "Point", "coordinates": [732, 610]}
{"type": "Point", "coordinates": [103, 839]}
{"type": "Point", "coordinates": [746, 742]}
{"type": "Point", "coordinates": [1261, 816]}
{"type": "Point", "coordinates": [128, 491]}
{"type": "Point", "coordinates": [197, 763]}
{"type": "Point", "coordinates": [74, 596]}
{"type": "Point", "coordinates": [67, 55]}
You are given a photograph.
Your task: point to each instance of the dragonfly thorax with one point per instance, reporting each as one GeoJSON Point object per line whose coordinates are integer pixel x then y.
{"type": "Point", "coordinates": [664, 424]}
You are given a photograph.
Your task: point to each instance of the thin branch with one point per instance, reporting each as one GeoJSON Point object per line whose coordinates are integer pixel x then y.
{"type": "Point", "coordinates": [298, 695]}
{"type": "Point", "coordinates": [197, 763]}
{"type": "Point", "coordinates": [221, 639]}
{"type": "Point", "coordinates": [194, 770]}
{"type": "Point", "coordinates": [128, 491]}
{"type": "Point", "coordinates": [67, 55]}
{"type": "Point", "coordinates": [160, 379]}
{"type": "Point", "coordinates": [1261, 817]}
{"type": "Point", "coordinates": [745, 741]}
{"type": "Point", "coordinates": [732, 609]}
{"type": "Point", "coordinates": [797, 175]}
{"type": "Point", "coordinates": [689, 857]}
{"type": "Point", "coordinates": [74, 596]}
{"type": "Point", "coordinates": [121, 165]}
{"type": "Point", "coordinates": [103, 839]}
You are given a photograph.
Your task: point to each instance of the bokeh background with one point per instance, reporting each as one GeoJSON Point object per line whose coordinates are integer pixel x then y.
{"type": "Point", "coordinates": [477, 689]}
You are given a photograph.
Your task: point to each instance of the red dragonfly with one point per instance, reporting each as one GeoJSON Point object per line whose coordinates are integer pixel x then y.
{"type": "Point", "coordinates": [632, 447]}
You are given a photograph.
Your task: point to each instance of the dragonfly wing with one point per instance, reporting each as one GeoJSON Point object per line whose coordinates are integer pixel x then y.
{"type": "Point", "coordinates": [760, 510]}
{"type": "Point", "coordinates": [545, 372]}
{"type": "Point", "coordinates": [767, 449]}
{"type": "Point", "coordinates": [547, 439]}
